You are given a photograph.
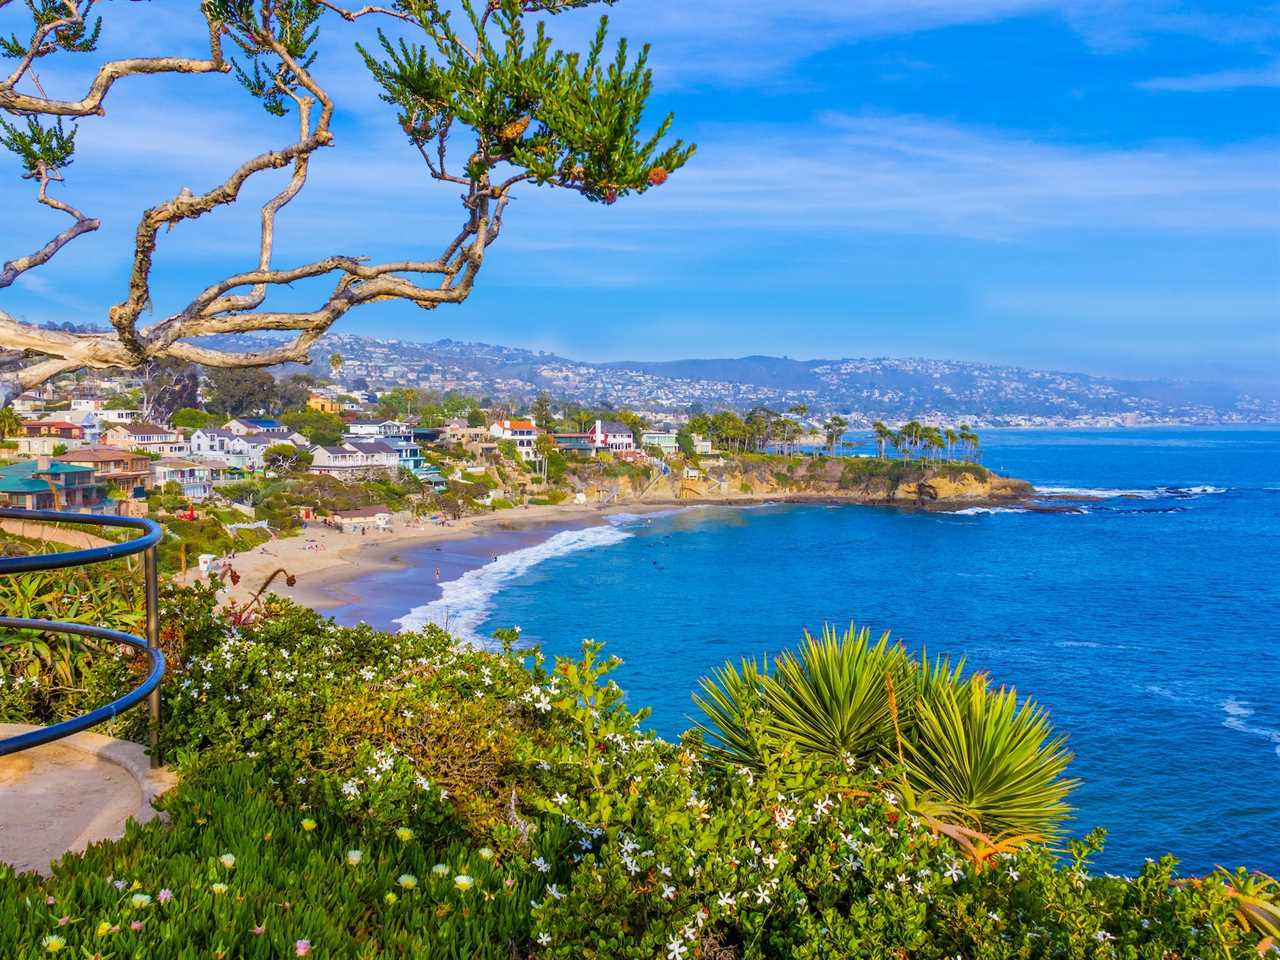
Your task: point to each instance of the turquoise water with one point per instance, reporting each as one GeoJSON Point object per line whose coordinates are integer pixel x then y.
{"type": "Point", "coordinates": [1149, 624]}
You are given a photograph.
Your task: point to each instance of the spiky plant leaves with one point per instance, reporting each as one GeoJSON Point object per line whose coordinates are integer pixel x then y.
{"type": "Point", "coordinates": [832, 698]}
{"type": "Point", "coordinates": [732, 702]}
{"type": "Point", "coordinates": [992, 762]}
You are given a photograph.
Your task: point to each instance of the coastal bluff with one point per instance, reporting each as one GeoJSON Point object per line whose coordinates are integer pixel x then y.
{"type": "Point", "coordinates": [862, 480]}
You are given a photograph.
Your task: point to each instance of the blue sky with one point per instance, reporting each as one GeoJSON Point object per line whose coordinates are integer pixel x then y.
{"type": "Point", "coordinates": [1076, 185]}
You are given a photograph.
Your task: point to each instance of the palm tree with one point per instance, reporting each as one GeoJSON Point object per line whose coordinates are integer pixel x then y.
{"type": "Point", "coordinates": [952, 437]}
{"type": "Point", "coordinates": [10, 423]}
{"type": "Point", "coordinates": [335, 364]}
{"type": "Point", "coordinates": [970, 440]}
{"type": "Point", "coordinates": [834, 428]}
{"type": "Point", "coordinates": [884, 436]}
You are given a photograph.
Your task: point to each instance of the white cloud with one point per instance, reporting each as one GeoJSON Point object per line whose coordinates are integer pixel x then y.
{"type": "Point", "coordinates": [1264, 76]}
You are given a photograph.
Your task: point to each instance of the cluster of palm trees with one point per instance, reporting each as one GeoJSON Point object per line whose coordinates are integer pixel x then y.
{"type": "Point", "coordinates": [916, 441]}
{"type": "Point", "coordinates": [978, 763]}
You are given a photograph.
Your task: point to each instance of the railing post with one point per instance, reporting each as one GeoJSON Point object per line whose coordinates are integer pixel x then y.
{"type": "Point", "coordinates": [152, 580]}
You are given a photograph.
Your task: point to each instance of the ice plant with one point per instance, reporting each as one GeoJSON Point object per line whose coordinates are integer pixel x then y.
{"type": "Point", "coordinates": [228, 860]}
{"type": "Point", "coordinates": [165, 895]}
{"type": "Point", "coordinates": [463, 882]}
{"type": "Point", "coordinates": [302, 947]}
{"type": "Point", "coordinates": [407, 880]}
{"type": "Point", "coordinates": [404, 834]}
{"type": "Point", "coordinates": [218, 889]}
{"type": "Point", "coordinates": [53, 943]}
{"type": "Point", "coordinates": [139, 900]}
{"type": "Point", "coordinates": [308, 824]}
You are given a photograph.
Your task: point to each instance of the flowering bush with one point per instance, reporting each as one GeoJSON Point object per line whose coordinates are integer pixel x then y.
{"type": "Point", "coordinates": [350, 793]}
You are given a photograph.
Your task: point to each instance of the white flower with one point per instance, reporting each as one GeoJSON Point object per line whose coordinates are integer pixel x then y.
{"type": "Point", "coordinates": [354, 857]}
{"type": "Point", "coordinates": [542, 865]}
{"type": "Point", "coordinates": [544, 939]}
{"type": "Point", "coordinates": [1102, 936]}
{"type": "Point", "coordinates": [762, 895]}
{"type": "Point", "coordinates": [1014, 875]}
{"type": "Point", "coordinates": [351, 789]}
{"type": "Point", "coordinates": [954, 872]}
{"type": "Point", "coordinates": [554, 892]}
{"type": "Point", "coordinates": [559, 799]}
{"type": "Point", "coordinates": [822, 807]}
{"type": "Point", "coordinates": [228, 860]}
{"type": "Point", "coordinates": [725, 900]}
{"type": "Point", "coordinates": [668, 892]}
{"type": "Point", "coordinates": [676, 949]}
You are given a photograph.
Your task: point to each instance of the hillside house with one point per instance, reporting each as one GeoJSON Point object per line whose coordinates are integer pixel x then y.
{"type": "Point", "coordinates": [149, 437]}
{"type": "Point", "coordinates": [194, 479]}
{"type": "Point", "coordinates": [247, 426]}
{"type": "Point", "coordinates": [125, 470]}
{"type": "Point", "coordinates": [523, 433]}
{"type": "Point", "coordinates": [45, 484]}
{"type": "Point", "coordinates": [612, 436]}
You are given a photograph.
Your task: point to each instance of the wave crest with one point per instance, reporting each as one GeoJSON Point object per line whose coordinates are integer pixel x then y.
{"type": "Point", "coordinates": [465, 603]}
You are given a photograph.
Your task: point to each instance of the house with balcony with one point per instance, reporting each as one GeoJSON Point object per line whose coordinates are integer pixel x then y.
{"type": "Point", "coordinates": [125, 470]}
{"type": "Point", "coordinates": [46, 484]}
{"type": "Point", "coordinates": [356, 459]}
{"type": "Point", "coordinates": [523, 433]}
{"type": "Point", "coordinates": [325, 404]}
{"type": "Point", "coordinates": [149, 437]}
{"type": "Point", "coordinates": [612, 436]}
{"type": "Point", "coordinates": [195, 479]}
{"type": "Point", "coordinates": [574, 443]}
{"type": "Point", "coordinates": [665, 440]}
{"type": "Point", "coordinates": [377, 430]}
{"type": "Point", "coordinates": [362, 518]}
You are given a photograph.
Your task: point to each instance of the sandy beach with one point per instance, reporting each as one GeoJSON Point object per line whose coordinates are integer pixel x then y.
{"type": "Point", "coordinates": [325, 562]}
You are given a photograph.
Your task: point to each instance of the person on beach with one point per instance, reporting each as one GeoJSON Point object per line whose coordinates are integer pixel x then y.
{"type": "Point", "coordinates": [437, 573]}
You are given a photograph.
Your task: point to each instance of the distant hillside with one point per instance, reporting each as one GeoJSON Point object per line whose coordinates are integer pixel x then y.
{"type": "Point", "coordinates": [891, 389]}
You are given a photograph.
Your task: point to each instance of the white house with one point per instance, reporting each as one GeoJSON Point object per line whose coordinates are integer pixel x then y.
{"type": "Point", "coordinates": [368, 518]}
{"type": "Point", "coordinates": [611, 435]}
{"type": "Point", "coordinates": [151, 437]}
{"type": "Point", "coordinates": [355, 458]}
{"type": "Point", "coordinates": [522, 433]}
{"type": "Point", "coordinates": [195, 479]}
{"type": "Point", "coordinates": [246, 426]}
{"type": "Point", "coordinates": [376, 429]}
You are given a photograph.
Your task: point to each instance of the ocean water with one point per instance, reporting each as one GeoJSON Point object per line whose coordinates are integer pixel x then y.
{"type": "Point", "coordinates": [1148, 622]}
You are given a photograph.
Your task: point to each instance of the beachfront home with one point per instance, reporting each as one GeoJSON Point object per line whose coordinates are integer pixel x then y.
{"type": "Point", "coordinates": [611, 435]}
{"type": "Point", "coordinates": [665, 440]}
{"type": "Point", "coordinates": [149, 437]}
{"type": "Point", "coordinates": [362, 518]}
{"type": "Point", "coordinates": [522, 433]}
{"type": "Point", "coordinates": [355, 459]}
{"type": "Point", "coordinates": [45, 484]}
{"type": "Point", "coordinates": [195, 479]}
{"type": "Point", "coordinates": [125, 470]}
{"type": "Point", "coordinates": [701, 445]}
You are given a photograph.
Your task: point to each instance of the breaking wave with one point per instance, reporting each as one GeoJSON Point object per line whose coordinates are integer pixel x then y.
{"type": "Point", "coordinates": [464, 604]}
{"type": "Point", "coordinates": [974, 511]}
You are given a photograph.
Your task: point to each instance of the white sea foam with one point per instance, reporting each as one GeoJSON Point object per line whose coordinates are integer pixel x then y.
{"type": "Point", "coordinates": [1238, 713]}
{"type": "Point", "coordinates": [975, 511]}
{"type": "Point", "coordinates": [465, 603]}
{"type": "Point", "coordinates": [1135, 493]}
{"type": "Point", "coordinates": [1101, 493]}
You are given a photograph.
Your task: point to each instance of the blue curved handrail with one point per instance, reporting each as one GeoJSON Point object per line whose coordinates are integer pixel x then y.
{"type": "Point", "coordinates": [78, 558]}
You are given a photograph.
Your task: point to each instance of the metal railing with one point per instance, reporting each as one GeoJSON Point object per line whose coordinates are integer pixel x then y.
{"type": "Point", "coordinates": [149, 688]}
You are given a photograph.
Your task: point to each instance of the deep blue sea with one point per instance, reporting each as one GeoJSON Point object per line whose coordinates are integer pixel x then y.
{"type": "Point", "coordinates": [1149, 623]}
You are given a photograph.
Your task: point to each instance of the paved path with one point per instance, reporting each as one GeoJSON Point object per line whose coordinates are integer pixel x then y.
{"type": "Point", "coordinates": [68, 794]}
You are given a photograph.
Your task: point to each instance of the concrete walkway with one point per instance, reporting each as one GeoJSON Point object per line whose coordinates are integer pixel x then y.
{"type": "Point", "coordinates": [68, 794]}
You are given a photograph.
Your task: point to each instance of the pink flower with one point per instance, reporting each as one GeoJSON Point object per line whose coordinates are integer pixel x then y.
{"type": "Point", "coordinates": [50, 901]}
{"type": "Point", "coordinates": [165, 895]}
{"type": "Point", "coordinates": [136, 925]}
{"type": "Point", "coordinates": [259, 931]}
{"type": "Point", "coordinates": [63, 921]}
{"type": "Point", "coordinates": [302, 947]}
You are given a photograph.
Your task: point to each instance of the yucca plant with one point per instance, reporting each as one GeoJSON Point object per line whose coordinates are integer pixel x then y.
{"type": "Point", "coordinates": [732, 702]}
{"type": "Point", "coordinates": [979, 758]}
{"type": "Point", "coordinates": [832, 697]}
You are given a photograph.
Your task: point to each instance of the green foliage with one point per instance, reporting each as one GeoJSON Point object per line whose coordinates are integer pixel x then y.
{"type": "Point", "coordinates": [190, 418]}
{"type": "Point", "coordinates": [253, 26]}
{"type": "Point", "coordinates": [557, 118]}
{"type": "Point", "coordinates": [40, 146]}
{"type": "Point", "coordinates": [969, 756]}
{"type": "Point", "coordinates": [285, 456]}
{"type": "Point", "coordinates": [320, 428]}
{"type": "Point", "coordinates": [375, 794]}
